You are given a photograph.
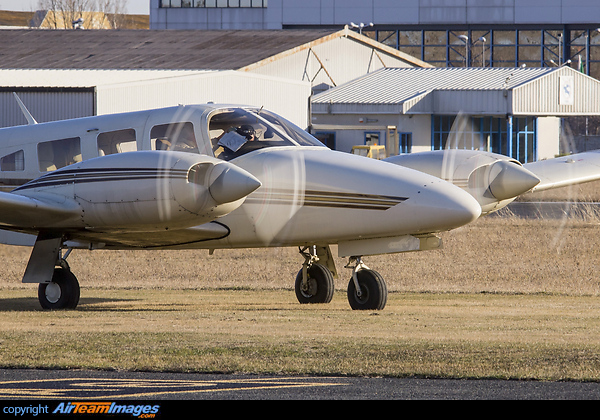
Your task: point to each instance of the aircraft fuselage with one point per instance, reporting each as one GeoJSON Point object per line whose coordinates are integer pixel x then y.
{"type": "Point", "coordinates": [308, 194]}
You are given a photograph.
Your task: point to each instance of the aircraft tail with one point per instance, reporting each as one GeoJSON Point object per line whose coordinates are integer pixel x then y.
{"type": "Point", "coordinates": [24, 110]}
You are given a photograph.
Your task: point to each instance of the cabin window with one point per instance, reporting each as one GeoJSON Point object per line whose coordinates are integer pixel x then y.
{"type": "Point", "coordinates": [235, 132]}
{"type": "Point", "coordinates": [175, 136]}
{"type": "Point", "coordinates": [119, 141]}
{"type": "Point", "coordinates": [58, 153]}
{"type": "Point", "coordinates": [13, 162]}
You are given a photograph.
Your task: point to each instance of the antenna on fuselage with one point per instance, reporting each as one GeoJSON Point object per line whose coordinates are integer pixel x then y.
{"type": "Point", "coordinates": [25, 111]}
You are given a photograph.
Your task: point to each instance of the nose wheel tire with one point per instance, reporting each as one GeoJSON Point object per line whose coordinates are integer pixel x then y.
{"type": "Point", "coordinates": [319, 287]}
{"type": "Point", "coordinates": [373, 291]}
{"type": "Point", "coordinates": [61, 293]}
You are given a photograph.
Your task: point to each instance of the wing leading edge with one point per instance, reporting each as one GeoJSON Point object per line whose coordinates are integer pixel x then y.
{"type": "Point", "coordinates": [567, 170]}
{"type": "Point", "coordinates": [29, 213]}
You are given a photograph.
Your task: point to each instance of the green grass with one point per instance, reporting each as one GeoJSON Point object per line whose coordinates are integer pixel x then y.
{"type": "Point", "coordinates": [534, 336]}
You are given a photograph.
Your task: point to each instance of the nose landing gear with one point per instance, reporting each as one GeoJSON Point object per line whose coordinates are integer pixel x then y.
{"type": "Point", "coordinates": [367, 289]}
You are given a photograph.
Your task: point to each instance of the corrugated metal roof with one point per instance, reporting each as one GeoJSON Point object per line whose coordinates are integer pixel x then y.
{"type": "Point", "coordinates": [163, 49]}
{"type": "Point", "coordinates": [83, 78]}
{"type": "Point", "coordinates": [146, 49]}
{"type": "Point", "coordinates": [155, 49]}
{"type": "Point", "coordinates": [397, 85]}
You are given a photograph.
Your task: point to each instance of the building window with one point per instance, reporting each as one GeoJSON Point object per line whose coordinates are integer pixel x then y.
{"type": "Point", "coordinates": [524, 139]}
{"type": "Point", "coordinates": [213, 3]}
{"type": "Point", "coordinates": [327, 138]}
{"type": "Point", "coordinates": [513, 137]}
{"type": "Point", "coordinates": [372, 139]}
{"type": "Point", "coordinates": [499, 47]}
{"type": "Point", "coordinates": [405, 142]}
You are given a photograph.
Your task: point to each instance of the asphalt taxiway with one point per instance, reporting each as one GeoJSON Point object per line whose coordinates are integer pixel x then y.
{"type": "Point", "coordinates": [61, 385]}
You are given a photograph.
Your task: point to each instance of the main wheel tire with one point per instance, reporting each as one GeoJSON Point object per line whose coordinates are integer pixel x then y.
{"type": "Point", "coordinates": [320, 285]}
{"type": "Point", "coordinates": [61, 293]}
{"type": "Point", "coordinates": [373, 289]}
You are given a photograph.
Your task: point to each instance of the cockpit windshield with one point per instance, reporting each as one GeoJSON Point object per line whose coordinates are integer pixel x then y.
{"type": "Point", "coordinates": [235, 132]}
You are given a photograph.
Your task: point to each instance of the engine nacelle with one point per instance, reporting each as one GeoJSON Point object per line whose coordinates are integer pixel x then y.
{"type": "Point", "coordinates": [147, 191]}
{"type": "Point", "coordinates": [493, 180]}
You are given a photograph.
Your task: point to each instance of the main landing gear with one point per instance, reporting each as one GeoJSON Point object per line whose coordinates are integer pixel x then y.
{"type": "Point", "coordinates": [314, 283]}
{"type": "Point", "coordinates": [58, 287]}
{"type": "Point", "coordinates": [62, 292]}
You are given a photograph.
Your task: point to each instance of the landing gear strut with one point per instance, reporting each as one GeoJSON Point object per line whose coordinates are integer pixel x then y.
{"type": "Point", "coordinates": [314, 282]}
{"type": "Point", "coordinates": [367, 289]}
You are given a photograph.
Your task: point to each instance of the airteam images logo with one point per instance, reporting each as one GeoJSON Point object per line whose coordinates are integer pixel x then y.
{"type": "Point", "coordinates": [140, 411]}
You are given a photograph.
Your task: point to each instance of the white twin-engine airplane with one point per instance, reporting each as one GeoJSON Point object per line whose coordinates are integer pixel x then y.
{"type": "Point", "coordinates": [214, 177]}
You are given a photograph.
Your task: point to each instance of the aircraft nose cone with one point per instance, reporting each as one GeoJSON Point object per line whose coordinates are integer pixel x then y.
{"type": "Point", "coordinates": [461, 207]}
{"type": "Point", "coordinates": [444, 206]}
{"type": "Point", "coordinates": [469, 209]}
{"type": "Point", "coordinates": [511, 180]}
{"type": "Point", "coordinates": [230, 183]}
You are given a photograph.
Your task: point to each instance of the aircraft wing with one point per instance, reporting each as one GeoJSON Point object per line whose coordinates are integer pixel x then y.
{"type": "Point", "coordinates": [566, 170]}
{"type": "Point", "coordinates": [43, 210]}
{"type": "Point", "coordinates": [170, 239]}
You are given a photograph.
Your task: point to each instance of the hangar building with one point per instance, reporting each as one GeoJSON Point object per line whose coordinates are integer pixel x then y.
{"type": "Point", "coordinates": [512, 111]}
{"type": "Point", "coordinates": [129, 70]}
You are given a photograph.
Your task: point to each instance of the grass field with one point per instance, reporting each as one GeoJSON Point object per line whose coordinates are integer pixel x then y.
{"type": "Point", "coordinates": [505, 298]}
{"type": "Point", "coordinates": [266, 331]}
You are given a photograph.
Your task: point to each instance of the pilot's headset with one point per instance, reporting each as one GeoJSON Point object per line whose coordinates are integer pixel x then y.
{"type": "Point", "coordinates": [245, 130]}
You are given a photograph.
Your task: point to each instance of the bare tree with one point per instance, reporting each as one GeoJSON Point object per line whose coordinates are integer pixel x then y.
{"type": "Point", "coordinates": [115, 11]}
{"type": "Point", "coordinates": [65, 12]}
{"type": "Point", "coordinates": [50, 5]}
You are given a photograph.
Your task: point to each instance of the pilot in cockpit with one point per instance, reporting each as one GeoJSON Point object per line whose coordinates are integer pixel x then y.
{"type": "Point", "coordinates": [247, 131]}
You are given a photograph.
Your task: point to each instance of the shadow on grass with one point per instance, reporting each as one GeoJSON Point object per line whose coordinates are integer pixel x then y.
{"type": "Point", "coordinates": [31, 304]}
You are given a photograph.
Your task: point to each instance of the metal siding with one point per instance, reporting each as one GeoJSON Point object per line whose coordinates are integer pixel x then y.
{"type": "Point", "coordinates": [486, 102]}
{"type": "Point", "coordinates": [281, 13]}
{"type": "Point", "coordinates": [541, 96]}
{"type": "Point", "coordinates": [45, 106]}
{"type": "Point", "coordinates": [285, 97]}
{"type": "Point", "coordinates": [421, 103]}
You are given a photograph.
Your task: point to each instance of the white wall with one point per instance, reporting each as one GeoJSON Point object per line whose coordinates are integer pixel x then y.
{"type": "Point", "coordinates": [548, 132]}
{"type": "Point", "coordinates": [420, 127]}
{"type": "Point", "coordinates": [288, 98]}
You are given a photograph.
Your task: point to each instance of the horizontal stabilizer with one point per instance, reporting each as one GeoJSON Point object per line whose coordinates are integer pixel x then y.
{"type": "Point", "coordinates": [566, 170]}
